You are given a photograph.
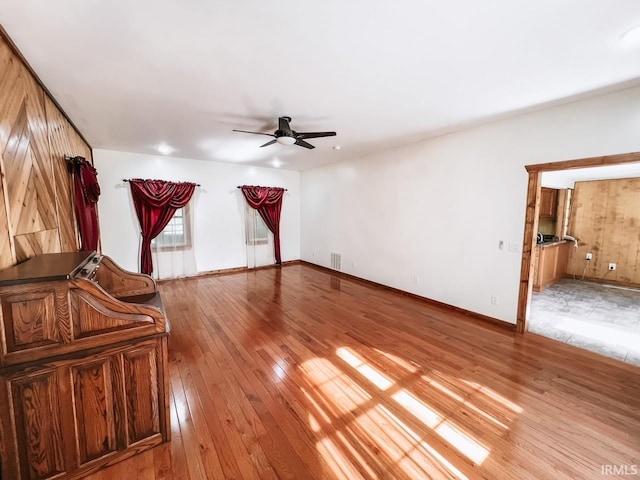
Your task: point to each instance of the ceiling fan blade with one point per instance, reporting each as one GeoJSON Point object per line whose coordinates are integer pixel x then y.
{"type": "Point", "coordinates": [283, 124]}
{"type": "Point", "coordinates": [256, 133]}
{"type": "Point", "coordinates": [268, 143]}
{"type": "Point", "coordinates": [304, 144]}
{"type": "Point", "coordinates": [315, 134]}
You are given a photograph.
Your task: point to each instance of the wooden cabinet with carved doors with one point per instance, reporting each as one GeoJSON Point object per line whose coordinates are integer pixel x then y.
{"type": "Point", "coordinates": [83, 374]}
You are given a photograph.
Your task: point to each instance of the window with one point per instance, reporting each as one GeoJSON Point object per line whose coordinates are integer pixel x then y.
{"type": "Point", "coordinates": [257, 231]}
{"type": "Point", "coordinates": [177, 233]}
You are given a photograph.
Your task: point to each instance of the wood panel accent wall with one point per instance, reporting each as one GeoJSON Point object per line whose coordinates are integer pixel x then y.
{"type": "Point", "coordinates": [605, 218]}
{"type": "Point", "coordinates": [36, 194]}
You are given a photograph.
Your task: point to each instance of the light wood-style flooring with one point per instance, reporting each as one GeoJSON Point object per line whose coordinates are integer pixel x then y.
{"type": "Point", "coordinates": [295, 373]}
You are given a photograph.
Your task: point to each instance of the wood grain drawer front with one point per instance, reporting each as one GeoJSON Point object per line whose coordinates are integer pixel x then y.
{"type": "Point", "coordinates": [141, 393]}
{"type": "Point", "coordinates": [93, 398]}
{"type": "Point", "coordinates": [38, 425]}
{"type": "Point", "coordinates": [29, 320]}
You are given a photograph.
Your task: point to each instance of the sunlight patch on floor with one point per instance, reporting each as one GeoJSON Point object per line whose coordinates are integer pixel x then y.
{"type": "Point", "coordinates": [601, 333]}
{"type": "Point", "coordinates": [371, 374]}
{"type": "Point", "coordinates": [494, 396]}
{"type": "Point", "coordinates": [455, 396]}
{"type": "Point", "coordinates": [458, 439]}
{"type": "Point", "coordinates": [345, 394]}
{"type": "Point", "coordinates": [362, 428]}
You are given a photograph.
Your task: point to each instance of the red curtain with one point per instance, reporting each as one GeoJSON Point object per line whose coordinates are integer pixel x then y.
{"type": "Point", "coordinates": [155, 202]}
{"type": "Point", "coordinates": [86, 193]}
{"type": "Point", "coordinates": [268, 202]}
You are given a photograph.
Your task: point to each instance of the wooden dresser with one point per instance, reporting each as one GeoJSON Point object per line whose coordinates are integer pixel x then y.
{"type": "Point", "coordinates": [83, 366]}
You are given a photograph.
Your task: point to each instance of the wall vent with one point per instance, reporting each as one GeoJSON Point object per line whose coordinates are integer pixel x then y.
{"type": "Point", "coordinates": [336, 261]}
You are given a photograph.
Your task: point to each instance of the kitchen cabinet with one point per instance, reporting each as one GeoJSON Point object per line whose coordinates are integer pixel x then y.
{"type": "Point", "coordinates": [548, 202]}
{"type": "Point", "coordinates": [550, 262]}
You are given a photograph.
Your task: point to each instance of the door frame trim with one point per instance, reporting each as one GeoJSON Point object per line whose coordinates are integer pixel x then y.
{"type": "Point", "coordinates": [531, 219]}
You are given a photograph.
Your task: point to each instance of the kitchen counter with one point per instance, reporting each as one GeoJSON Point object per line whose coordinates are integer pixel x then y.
{"type": "Point", "coordinates": [550, 262]}
{"type": "Point", "coordinates": [551, 243]}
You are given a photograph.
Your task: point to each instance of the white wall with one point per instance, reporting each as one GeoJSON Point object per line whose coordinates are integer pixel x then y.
{"type": "Point", "coordinates": [219, 237]}
{"type": "Point", "coordinates": [438, 208]}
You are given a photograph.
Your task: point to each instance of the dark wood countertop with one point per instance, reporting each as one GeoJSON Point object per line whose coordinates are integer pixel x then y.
{"type": "Point", "coordinates": [45, 268]}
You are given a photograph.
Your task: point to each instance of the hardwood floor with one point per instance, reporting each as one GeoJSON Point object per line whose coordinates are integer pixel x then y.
{"type": "Point", "coordinates": [296, 373]}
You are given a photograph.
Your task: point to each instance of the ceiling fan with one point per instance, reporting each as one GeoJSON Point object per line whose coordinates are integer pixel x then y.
{"type": "Point", "coordinates": [285, 136]}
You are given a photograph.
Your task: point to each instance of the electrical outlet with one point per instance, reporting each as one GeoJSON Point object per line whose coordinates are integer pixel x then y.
{"type": "Point", "coordinates": [514, 247]}
{"type": "Point", "coordinates": [589, 256]}
{"type": "Point", "coordinates": [494, 300]}
{"type": "Point", "coordinates": [501, 244]}
{"type": "Point", "coordinates": [353, 264]}
{"type": "Point", "coordinates": [416, 279]}
{"type": "Point", "coordinates": [313, 254]}
{"type": "Point", "coordinates": [612, 266]}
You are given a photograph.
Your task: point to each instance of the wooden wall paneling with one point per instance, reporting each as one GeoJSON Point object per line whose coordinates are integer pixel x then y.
{"type": "Point", "coordinates": [7, 248]}
{"type": "Point", "coordinates": [29, 245]}
{"type": "Point", "coordinates": [605, 217]}
{"type": "Point", "coordinates": [621, 240]}
{"type": "Point", "coordinates": [29, 172]}
{"type": "Point", "coordinates": [36, 189]}
{"type": "Point", "coordinates": [60, 144]}
{"type": "Point", "coordinates": [9, 108]}
{"type": "Point", "coordinates": [588, 211]}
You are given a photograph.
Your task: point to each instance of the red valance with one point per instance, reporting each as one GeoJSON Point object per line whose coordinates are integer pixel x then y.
{"type": "Point", "coordinates": [155, 202]}
{"type": "Point", "coordinates": [268, 202]}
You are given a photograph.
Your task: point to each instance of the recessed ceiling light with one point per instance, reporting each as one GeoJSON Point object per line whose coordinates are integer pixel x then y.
{"type": "Point", "coordinates": [165, 149]}
{"type": "Point", "coordinates": [337, 147]}
{"type": "Point", "coordinates": [631, 38]}
{"type": "Point", "coordinates": [276, 163]}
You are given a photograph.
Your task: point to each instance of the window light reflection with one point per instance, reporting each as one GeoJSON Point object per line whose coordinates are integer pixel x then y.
{"type": "Point", "coordinates": [398, 361]}
{"type": "Point", "coordinates": [457, 397]}
{"type": "Point", "coordinates": [344, 393]}
{"type": "Point", "coordinates": [342, 467]}
{"type": "Point", "coordinates": [459, 440]}
{"type": "Point", "coordinates": [462, 442]}
{"type": "Point", "coordinates": [443, 461]}
{"type": "Point", "coordinates": [394, 443]}
{"type": "Point", "coordinates": [495, 396]}
{"type": "Point", "coordinates": [370, 373]}
{"type": "Point", "coordinates": [417, 408]}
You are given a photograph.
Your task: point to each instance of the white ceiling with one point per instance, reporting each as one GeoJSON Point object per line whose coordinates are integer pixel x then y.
{"type": "Point", "coordinates": [135, 74]}
{"type": "Point", "coordinates": [568, 178]}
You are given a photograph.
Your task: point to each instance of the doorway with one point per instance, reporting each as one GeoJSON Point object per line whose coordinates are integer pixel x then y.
{"type": "Point", "coordinates": [531, 221]}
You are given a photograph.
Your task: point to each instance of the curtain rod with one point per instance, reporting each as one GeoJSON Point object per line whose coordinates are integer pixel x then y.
{"type": "Point", "coordinates": [128, 180]}
{"type": "Point", "coordinates": [285, 189]}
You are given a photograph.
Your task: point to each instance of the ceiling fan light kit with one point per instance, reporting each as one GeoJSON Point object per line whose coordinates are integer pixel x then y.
{"type": "Point", "coordinates": [286, 140]}
{"type": "Point", "coordinates": [284, 135]}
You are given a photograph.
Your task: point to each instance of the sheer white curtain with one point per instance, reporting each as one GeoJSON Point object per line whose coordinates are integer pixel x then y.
{"type": "Point", "coordinates": [259, 239]}
{"type": "Point", "coordinates": [172, 250]}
